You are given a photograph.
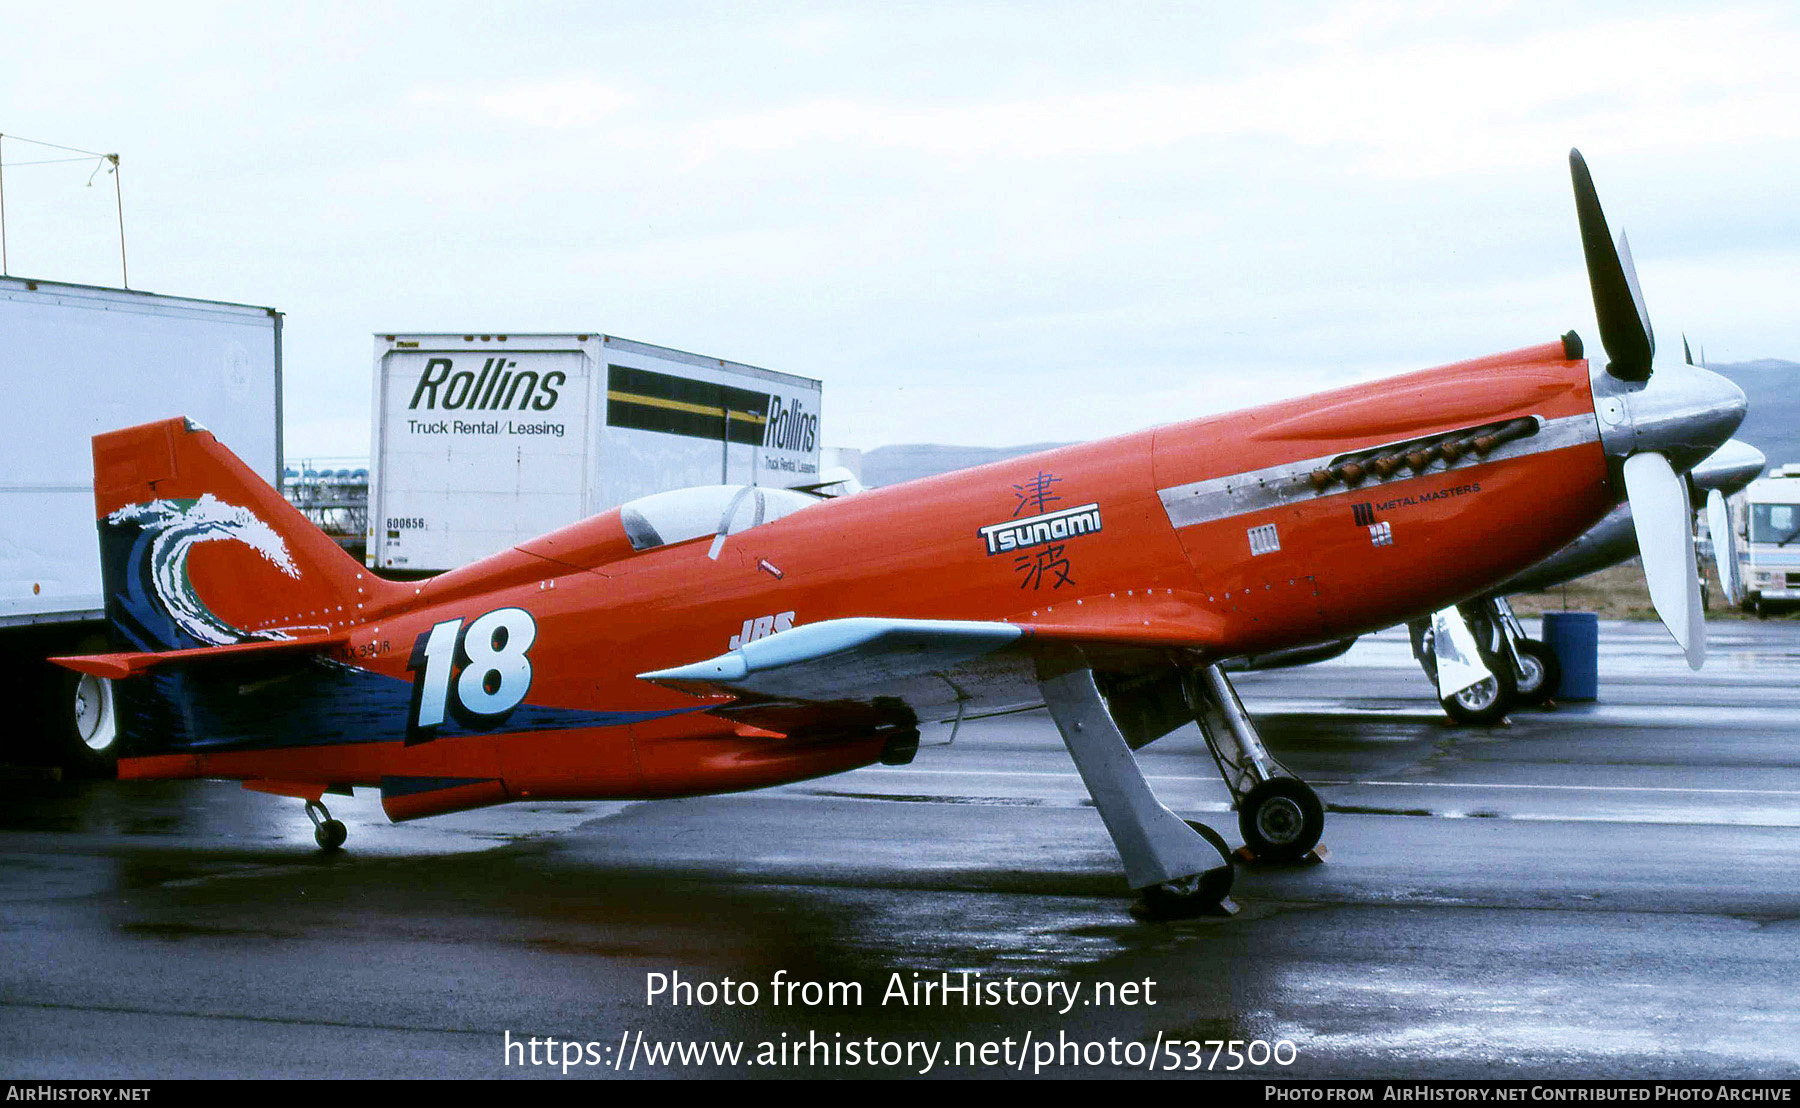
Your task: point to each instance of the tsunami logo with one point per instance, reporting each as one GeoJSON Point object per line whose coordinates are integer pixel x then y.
{"type": "Point", "coordinates": [1020, 534]}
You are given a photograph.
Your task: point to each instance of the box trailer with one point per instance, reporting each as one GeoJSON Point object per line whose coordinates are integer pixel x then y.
{"type": "Point", "coordinates": [79, 360]}
{"type": "Point", "coordinates": [484, 441]}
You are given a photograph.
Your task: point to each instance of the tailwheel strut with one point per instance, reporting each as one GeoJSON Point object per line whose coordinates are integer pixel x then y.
{"type": "Point", "coordinates": [1279, 815]}
{"type": "Point", "coordinates": [1182, 870]}
{"type": "Point", "coordinates": [327, 832]}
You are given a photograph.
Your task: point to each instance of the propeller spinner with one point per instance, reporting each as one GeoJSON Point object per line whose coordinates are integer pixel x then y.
{"type": "Point", "coordinates": [1656, 425]}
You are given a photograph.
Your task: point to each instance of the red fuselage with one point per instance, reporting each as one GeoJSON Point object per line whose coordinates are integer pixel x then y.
{"type": "Point", "coordinates": [1209, 537]}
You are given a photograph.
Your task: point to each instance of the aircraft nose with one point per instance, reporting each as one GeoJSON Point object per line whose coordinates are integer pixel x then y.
{"type": "Point", "coordinates": [1683, 412]}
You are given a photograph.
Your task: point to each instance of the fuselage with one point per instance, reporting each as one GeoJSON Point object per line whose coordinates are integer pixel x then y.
{"type": "Point", "coordinates": [1242, 533]}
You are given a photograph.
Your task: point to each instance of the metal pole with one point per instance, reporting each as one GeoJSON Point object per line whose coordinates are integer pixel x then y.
{"type": "Point", "coordinates": [119, 198]}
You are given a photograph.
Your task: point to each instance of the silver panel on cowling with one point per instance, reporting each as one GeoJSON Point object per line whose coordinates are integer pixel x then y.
{"type": "Point", "coordinates": [1291, 483]}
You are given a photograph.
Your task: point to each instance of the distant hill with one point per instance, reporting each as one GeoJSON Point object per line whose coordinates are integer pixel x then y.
{"type": "Point", "coordinates": [1773, 423]}
{"type": "Point", "coordinates": [890, 465]}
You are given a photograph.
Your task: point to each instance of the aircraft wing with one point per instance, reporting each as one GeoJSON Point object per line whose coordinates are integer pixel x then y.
{"type": "Point", "coordinates": [874, 672]}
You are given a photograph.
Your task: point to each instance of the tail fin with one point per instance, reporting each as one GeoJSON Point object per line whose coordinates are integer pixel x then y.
{"type": "Point", "coordinates": [197, 550]}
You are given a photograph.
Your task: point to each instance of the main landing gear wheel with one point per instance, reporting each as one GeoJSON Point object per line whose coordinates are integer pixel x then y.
{"type": "Point", "coordinates": [1281, 819]}
{"type": "Point", "coordinates": [1484, 703]}
{"type": "Point", "coordinates": [327, 832]}
{"type": "Point", "coordinates": [1203, 894]}
{"type": "Point", "coordinates": [1542, 672]}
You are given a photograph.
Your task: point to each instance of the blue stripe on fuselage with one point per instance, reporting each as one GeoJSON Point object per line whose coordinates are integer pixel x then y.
{"type": "Point", "coordinates": [269, 705]}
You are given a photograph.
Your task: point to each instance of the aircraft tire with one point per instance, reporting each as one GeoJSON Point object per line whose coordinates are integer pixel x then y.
{"type": "Point", "coordinates": [1281, 819]}
{"type": "Point", "coordinates": [80, 717]}
{"type": "Point", "coordinates": [330, 835]}
{"type": "Point", "coordinates": [1484, 704]}
{"type": "Point", "coordinates": [1202, 894]}
{"type": "Point", "coordinates": [1543, 672]}
{"type": "Point", "coordinates": [1424, 648]}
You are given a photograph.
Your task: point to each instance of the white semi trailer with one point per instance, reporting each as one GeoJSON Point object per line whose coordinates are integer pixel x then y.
{"type": "Point", "coordinates": [485, 441]}
{"type": "Point", "coordinates": [79, 360]}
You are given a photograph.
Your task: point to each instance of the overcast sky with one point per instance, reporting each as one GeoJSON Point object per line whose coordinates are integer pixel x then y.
{"type": "Point", "coordinates": [977, 223]}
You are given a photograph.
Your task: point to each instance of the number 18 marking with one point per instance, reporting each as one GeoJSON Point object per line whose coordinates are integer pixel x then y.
{"type": "Point", "coordinates": [496, 674]}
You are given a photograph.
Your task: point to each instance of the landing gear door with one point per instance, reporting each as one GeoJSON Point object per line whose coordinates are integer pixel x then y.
{"type": "Point", "coordinates": [1459, 663]}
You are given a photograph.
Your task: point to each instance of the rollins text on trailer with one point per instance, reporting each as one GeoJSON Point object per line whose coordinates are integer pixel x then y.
{"type": "Point", "coordinates": [78, 360]}
{"type": "Point", "coordinates": [484, 441]}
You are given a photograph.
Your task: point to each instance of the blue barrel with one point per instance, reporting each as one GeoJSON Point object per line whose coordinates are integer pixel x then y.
{"type": "Point", "coordinates": [1575, 637]}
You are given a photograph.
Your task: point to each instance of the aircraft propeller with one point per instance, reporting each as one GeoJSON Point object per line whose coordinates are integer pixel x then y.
{"type": "Point", "coordinates": [1725, 552]}
{"type": "Point", "coordinates": [1664, 519]}
{"type": "Point", "coordinates": [1718, 517]}
{"type": "Point", "coordinates": [1655, 426]}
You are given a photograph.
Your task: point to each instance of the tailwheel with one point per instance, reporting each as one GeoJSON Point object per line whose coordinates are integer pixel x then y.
{"type": "Point", "coordinates": [330, 835]}
{"type": "Point", "coordinates": [1281, 819]}
{"type": "Point", "coordinates": [327, 832]}
{"type": "Point", "coordinates": [1540, 672]}
{"type": "Point", "coordinates": [1202, 894]}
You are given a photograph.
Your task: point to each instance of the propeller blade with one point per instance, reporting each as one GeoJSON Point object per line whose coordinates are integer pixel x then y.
{"type": "Point", "coordinates": [1637, 292]}
{"type": "Point", "coordinates": [1663, 518]}
{"type": "Point", "coordinates": [1724, 542]}
{"type": "Point", "coordinates": [1618, 305]}
{"type": "Point", "coordinates": [1687, 354]}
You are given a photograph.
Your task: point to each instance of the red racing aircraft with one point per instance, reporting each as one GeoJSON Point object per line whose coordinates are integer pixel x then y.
{"type": "Point", "coordinates": [726, 638]}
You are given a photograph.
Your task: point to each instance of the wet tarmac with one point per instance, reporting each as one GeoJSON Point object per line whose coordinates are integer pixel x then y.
{"type": "Point", "coordinates": [1609, 889]}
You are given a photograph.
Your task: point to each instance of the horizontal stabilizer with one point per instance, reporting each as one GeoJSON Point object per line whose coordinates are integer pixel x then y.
{"type": "Point", "coordinates": [120, 666]}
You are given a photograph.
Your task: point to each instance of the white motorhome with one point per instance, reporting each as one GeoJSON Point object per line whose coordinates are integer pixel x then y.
{"type": "Point", "coordinates": [1771, 556]}
{"type": "Point", "coordinates": [485, 441]}
{"type": "Point", "coordinates": [78, 361]}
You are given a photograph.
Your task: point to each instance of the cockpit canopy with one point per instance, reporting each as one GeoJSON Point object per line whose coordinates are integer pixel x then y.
{"type": "Point", "coordinates": [666, 518]}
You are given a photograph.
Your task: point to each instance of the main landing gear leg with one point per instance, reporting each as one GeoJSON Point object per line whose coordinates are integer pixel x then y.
{"type": "Point", "coordinates": [1487, 701]}
{"type": "Point", "coordinates": [1279, 815]}
{"type": "Point", "coordinates": [1536, 671]}
{"type": "Point", "coordinates": [327, 832]}
{"type": "Point", "coordinates": [1182, 869]}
